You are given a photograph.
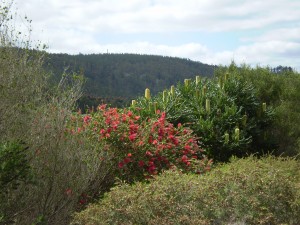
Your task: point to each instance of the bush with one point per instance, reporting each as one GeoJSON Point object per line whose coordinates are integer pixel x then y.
{"type": "Point", "coordinates": [281, 92]}
{"type": "Point", "coordinates": [250, 191]}
{"type": "Point", "coordinates": [63, 169]}
{"type": "Point", "coordinates": [137, 148]}
{"type": "Point", "coordinates": [225, 113]}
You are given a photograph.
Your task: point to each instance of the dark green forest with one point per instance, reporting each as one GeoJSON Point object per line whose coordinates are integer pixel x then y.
{"type": "Point", "coordinates": [118, 78]}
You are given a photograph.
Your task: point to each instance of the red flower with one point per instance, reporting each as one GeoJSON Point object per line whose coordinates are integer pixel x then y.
{"type": "Point", "coordinates": [121, 165]}
{"type": "Point", "coordinates": [155, 142]}
{"type": "Point", "coordinates": [141, 163]}
{"type": "Point", "coordinates": [102, 131]}
{"type": "Point", "coordinates": [102, 107]}
{"type": "Point", "coordinates": [148, 153]}
{"type": "Point", "coordinates": [184, 158]}
{"type": "Point", "coordinates": [127, 160]}
{"type": "Point", "coordinates": [87, 118]}
{"type": "Point", "coordinates": [187, 147]}
{"type": "Point", "coordinates": [132, 137]}
{"type": "Point", "coordinates": [129, 154]}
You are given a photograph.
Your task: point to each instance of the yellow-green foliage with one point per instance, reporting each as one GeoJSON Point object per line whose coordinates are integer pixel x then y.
{"type": "Point", "coordinates": [250, 191]}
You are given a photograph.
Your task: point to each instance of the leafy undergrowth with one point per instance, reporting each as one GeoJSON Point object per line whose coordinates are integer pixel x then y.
{"type": "Point", "coordinates": [245, 191]}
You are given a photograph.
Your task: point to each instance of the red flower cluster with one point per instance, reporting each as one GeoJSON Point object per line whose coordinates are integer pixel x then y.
{"type": "Point", "coordinates": [142, 148]}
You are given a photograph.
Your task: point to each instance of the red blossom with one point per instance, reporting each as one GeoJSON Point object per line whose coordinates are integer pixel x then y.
{"type": "Point", "coordinates": [102, 107]}
{"type": "Point", "coordinates": [184, 158]}
{"type": "Point", "coordinates": [127, 160]}
{"type": "Point", "coordinates": [155, 142]}
{"type": "Point", "coordinates": [132, 137]}
{"type": "Point", "coordinates": [87, 119]}
{"type": "Point", "coordinates": [121, 165]}
{"type": "Point", "coordinates": [148, 153]}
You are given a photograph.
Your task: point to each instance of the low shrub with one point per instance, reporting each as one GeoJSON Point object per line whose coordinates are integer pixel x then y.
{"type": "Point", "coordinates": [245, 191]}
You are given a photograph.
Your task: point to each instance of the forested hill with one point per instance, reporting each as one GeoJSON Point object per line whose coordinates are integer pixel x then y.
{"type": "Point", "coordinates": [127, 75]}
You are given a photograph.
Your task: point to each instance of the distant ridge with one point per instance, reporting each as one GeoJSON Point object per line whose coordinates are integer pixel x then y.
{"type": "Point", "coordinates": [127, 75]}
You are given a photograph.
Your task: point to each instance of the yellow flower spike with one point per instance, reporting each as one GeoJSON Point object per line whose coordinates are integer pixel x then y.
{"type": "Point", "coordinates": [173, 90]}
{"type": "Point", "coordinates": [147, 93]}
{"type": "Point", "coordinates": [165, 94]}
{"type": "Point", "coordinates": [264, 107]}
{"type": "Point", "coordinates": [221, 82]}
{"type": "Point", "coordinates": [207, 105]}
{"type": "Point", "coordinates": [187, 82]}
{"type": "Point", "coordinates": [198, 79]}
{"type": "Point", "coordinates": [237, 134]}
{"type": "Point", "coordinates": [133, 102]}
{"type": "Point", "coordinates": [155, 106]}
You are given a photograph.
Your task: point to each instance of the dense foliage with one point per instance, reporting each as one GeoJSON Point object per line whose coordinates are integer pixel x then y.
{"type": "Point", "coordinates": [224, 112]}
{"type": "Point", "coordinates": [246, 191]}
{"type": "Point", "coordinates": [280, 91]}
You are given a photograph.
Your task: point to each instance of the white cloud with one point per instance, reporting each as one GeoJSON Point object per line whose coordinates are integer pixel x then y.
{"type": "Point", "coordinates": [74, 26]}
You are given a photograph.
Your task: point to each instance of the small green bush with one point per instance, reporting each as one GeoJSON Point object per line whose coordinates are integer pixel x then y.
{"type": "Point", "coordinates": [250, 191]}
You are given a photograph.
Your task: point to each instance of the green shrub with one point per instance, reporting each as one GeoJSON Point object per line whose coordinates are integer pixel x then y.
{"type": "Point", "coordinates": [14, 170]}
{"type": "Point", "coordinates": [280, 91]}
{"type": "Point", "coordinates": [250, 191]}
{"type": "Point", "coordinates": [224, 113]}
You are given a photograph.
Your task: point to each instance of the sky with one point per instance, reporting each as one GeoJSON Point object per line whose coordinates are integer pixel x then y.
{"type": "Point", "coordinates": [217, 32]}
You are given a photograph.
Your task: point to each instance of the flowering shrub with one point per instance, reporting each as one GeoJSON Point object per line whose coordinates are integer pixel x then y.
{"type": "Point", "coordinates": [141, 149]}
{"type": "Point", "coordinates": [225, 112]}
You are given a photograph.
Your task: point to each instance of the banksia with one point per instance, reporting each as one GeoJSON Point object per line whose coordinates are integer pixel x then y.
{"type": "Point", "coordinates": [187, 82]}
{"type": "Point", "coordinates": [237, 134]}
{"type": "Point", "coordinates": [155, 106]}
{"type": "Point", "coordinates": [226, 138]}
{"type": "Point", "coordinates": [165, 94]}
{"type": "Point", "coordinates": [207, 105]}
{"type": "Point", "coordinates": [172, 90]}
{"type": "Point", "coordinates": [264, 107]}
{"type": "Point", "coordinates": [147, 93]}
{"type": "Point", "coordinates": [198, 79]}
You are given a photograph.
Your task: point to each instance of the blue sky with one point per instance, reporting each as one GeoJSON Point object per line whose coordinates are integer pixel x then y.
{"type": "Point", "coordinates": [255, 32]}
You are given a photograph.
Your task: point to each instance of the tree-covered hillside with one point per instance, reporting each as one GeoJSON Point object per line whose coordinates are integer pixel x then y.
{"type": "Point", "coordinates": [127, 75]}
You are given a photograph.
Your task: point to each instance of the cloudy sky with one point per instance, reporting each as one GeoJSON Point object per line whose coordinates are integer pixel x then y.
{"type": "Point", "coordinates": [255, 32]}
